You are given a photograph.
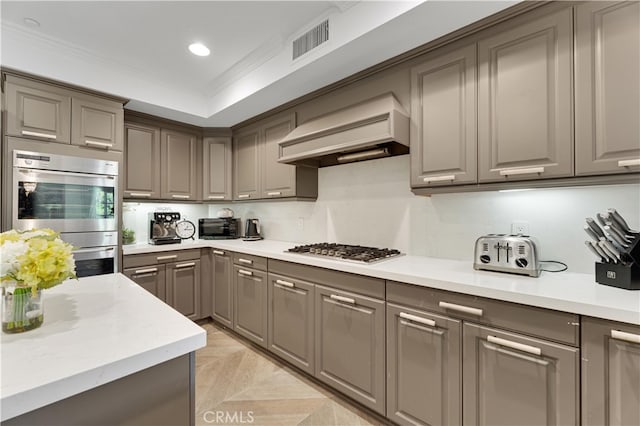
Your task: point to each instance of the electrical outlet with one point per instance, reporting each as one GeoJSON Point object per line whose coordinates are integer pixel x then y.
{"type": "Point", "coordinates": [520, 227]}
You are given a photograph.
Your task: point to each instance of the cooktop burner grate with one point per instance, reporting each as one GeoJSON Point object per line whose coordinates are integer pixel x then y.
{"type": "Point", "coordinates": [360, 254]}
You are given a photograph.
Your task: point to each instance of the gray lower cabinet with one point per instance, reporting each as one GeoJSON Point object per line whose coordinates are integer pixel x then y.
{"type": "Point", "coordinates": [222, 292]}
{"type": "Point", "coordinates": [291, 321]}
{"type": "Point", "coordinates": [141, 160]}
{"type": "Point", "coordinates": [512, 379]}
{"type": "Point", "coordinates": [350, 345]}
{"type": "Point", "coordinates": [151, 278]}
{"type": "Point", "coordinates": [183, 287]}
{"type": "Point", "coordinates": [250, 304]}
{"type": "Point", "coordinates": [178, 161]}
{"type": "Point", "coordinates": [97, 123]}
{"type": "Point", "coordinates": [216, 169]}
{"type": "Point", "coordinates": [424, 367]}
{"type": "Point", "coordinates": [610, 373]}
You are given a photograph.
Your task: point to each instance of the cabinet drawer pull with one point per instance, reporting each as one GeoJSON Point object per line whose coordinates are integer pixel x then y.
{"type": "Point", "coordinates": [514, 345]}
{"type": "Point", "coordinates": [274, 193]}
{"type": "Point", "coordinates": [627, 337]}
{"type": "Point", "coordinates": [243, 272]}
{"type": "Point", "coordinates": [429, 179]}
{"type": "Point", "coordinates": [343, 299]}
{"type": "Point", "coordinates": [39, 135]}
{"type": "Point", "coordinates": [218, 252]}
{"type": "Point", "coordinates": [418, 319]}
{"type": "Point", "coordinates": [216, 197]}
{"type": "Point", "coordinates": [285, 283]}
{"type": "Point", "coordinates": [461, 308]}
{"type": "Point", "coordinates": [145, 271]}
{"type": "Point", "coordinates": [526, 171]}
{"type": "Point", "coordinates": [629, 163]}
{"type": "Point", "coordinates": [98, 144]}
{"type": "Point", "coordinates": [244, 195]}
{"type": "Point", "coordinates": [182, 197]}
{"type": "Point", "coordinates": [185, 265]}
{"type": "Point", "coordinates": [140, 194]}
{"type": "Point", "coordinates": [245, 261]}
{"type": "Point", "coordinates": [171, 256]}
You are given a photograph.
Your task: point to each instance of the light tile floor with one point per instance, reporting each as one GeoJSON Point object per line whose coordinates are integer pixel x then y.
{"type": "Point", "coordinates": [237, 384]}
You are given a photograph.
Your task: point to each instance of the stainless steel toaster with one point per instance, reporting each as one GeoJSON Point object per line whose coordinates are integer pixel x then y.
{"type": "Point", "coordinates": [516, 254]}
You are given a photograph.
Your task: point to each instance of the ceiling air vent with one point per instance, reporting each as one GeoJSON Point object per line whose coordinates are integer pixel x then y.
{"type": "Point", "coordinates": [311, 39]}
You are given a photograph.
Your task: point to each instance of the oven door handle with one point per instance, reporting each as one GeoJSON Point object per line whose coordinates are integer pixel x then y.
{"type": "Point", "coordinates": [54, 172]}
{"type": "Point", "coordinates": [94, 253]}
{"type": "Point", "coordinates": [93, 250]}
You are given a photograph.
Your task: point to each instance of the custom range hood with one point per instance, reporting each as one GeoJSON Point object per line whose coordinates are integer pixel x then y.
{"type": "Point", "coordinates": [374, 128]}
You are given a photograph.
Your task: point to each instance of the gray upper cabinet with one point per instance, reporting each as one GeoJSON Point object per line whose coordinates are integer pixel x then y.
{"type": "Point", "coordinates": [222, 291]}
{"type": "Point", "coordinates": [178, 161]}
{"type": "Point", "coordinates": [525, 99]}
{"type": "Point", "coordinates": [183, 287]}
{"type": "Point", "coordinates": [610, 373]}
{"type": "Point", "coordinates": [443, 119]}
{"type": "Point", "coordinates": [246, 164]}
{"type": "Point", "coordinates": [97, 123]}
{"type": "Point", "coordinates": [141, 160]}
{"type": "Point", "coordinates": [278, 180]}
{"type": "Point", "coordinates": [37, 110]}
{"type": "Point", "coordinates": [216, 169]}
{"type": "Point", "coordinates": [607, 87]}
{"type": "Point", "coordinates": [511, 379]}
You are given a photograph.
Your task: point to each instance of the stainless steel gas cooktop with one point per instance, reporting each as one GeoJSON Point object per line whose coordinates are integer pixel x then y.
{"type": "Point", "coordinates": [347, 252]}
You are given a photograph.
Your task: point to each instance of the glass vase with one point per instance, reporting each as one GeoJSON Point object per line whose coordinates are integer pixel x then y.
{"type": "Point", "coordinates": [22, 309]}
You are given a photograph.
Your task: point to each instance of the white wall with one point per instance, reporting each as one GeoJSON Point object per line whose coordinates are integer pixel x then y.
{"type": "Point", "coordinates": [370, 203]}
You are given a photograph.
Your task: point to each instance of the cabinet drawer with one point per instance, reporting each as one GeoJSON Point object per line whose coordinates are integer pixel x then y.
{"type": "Point", "coordinates": [554, 325]}
{"type": "Point", "coordinates": [136, 260]}
{"type": "Point", "coordinates": [249, 261]}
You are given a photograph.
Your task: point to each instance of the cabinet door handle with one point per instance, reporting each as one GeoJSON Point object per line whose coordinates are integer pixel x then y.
{"type": "Point", "coordinates": [182, 197]}
{"type": "Point", "coordinates": [526, 171]}
{"type": "Point", "coordinates": [629, 163]}
{"type": "Point", "coordinates": [429, 179]}
{"type": "Point", "coordinates": [627, 337]}
{"type": "Point", "coordinates": [244, 195]}
{"type": "Point", "coordinates": [343, 299]}
{"type": "Point", "coordinates": [514, 345]}
{"type": "Point", "coordinates": [218, 252]}
{"type": "Point", "coordinates": [39, 135]}
{"type": "Point", "coordinates": [216, 197]}
{"type": "Point", "coordinates": [274, 193]}
{"type": "Point", "coordinates": [145, 271]}
{"type": "Point", "coordinates": [417, 319]}
{"type": "Point", "coordinates": [461, 308]}
{"type": "Point", "coordinates": [285, 283]}
{"type": "Point", "coordinates": [140, 194]}
{"type": "Point", "coordinates": [98, 144]}
{"type": "Point", "coordinates": [171, 256]}
{"type": "Point", "coordinates": [243, 272]}
{"type": "Point", "coordinates": [185, 265]}
{"type": "Point", "coordinates": [245, 261]}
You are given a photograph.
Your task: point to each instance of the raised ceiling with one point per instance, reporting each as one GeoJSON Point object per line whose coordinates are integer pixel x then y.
{"type": "Point", "coordinates": [138, 50]}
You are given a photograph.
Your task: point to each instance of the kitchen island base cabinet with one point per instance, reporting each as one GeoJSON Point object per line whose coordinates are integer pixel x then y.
{"type": "Point", "coordinates": [250, 304]}
{"type": "Point", "coordinates": [160, 395]}
{"type": "Point", "coordinates": [610, 373]}
{"type": "Point", "coordinates": [424, 371]}
{"type": "Point", "coordinates": [511, 379]}
{"type": "Point", "coordinates": [350, 346]}
{"type": "Point", "coordinates": [222, 306]}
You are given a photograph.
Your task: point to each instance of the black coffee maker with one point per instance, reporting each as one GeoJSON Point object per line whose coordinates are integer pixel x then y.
{"type": "Point", "coordinates": [252, 230]}
{"type": "Point", "coordinates": [162, 228]}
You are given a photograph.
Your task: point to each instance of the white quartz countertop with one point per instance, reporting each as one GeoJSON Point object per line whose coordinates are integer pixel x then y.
{"type": "Point", "coordinates": [96, 330]}
{"type": "Point", "coordinates": [563, 291]}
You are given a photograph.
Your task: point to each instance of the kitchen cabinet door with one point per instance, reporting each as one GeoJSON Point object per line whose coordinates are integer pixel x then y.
{"type": "Point", "coordinates": [525, 128]}
{"type": "Point", "coordinates": [151, 278]}
{"type": "Point", "coordinates": [222, 287]}
{"type": "Point", "coordinates": [250, 304]}
{"type": "Point", "coordinates": [512, 379]}
{"type": "Point", "coordinates": [424, 367]}
{"type": "Point", "coordinates": [141, 159]}
{"type": "Point", "coordinates": [443, 115]}
{"type": "Point", "coordinates": [607, 87]}
{"type": "Point", "coordinates": [278, 180]}
{"type": "Point", "coordinates": [183, 287]}
{"type": "Point", "coordinates": [291, 320]}
{"type": "Point", "coordinates": [97, 123]}
{"type": "Point", "coordinates": [610, 373]}
{"type": "Point", "coordinates": [38, 111]}
{"type": "Point", "coordinates": [350, 345]}
{"type": "Point", "coordinates": [216, 169]}
{"type": "Point", "coordinates": [178, 159]}
{"type": "Point", "coordinates": [246, 165]}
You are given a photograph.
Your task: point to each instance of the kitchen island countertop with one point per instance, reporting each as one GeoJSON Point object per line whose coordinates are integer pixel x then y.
{"type": "Point", "coordinates": [96, 330]}
{"type": "Point", "coordinates": [564, 291]}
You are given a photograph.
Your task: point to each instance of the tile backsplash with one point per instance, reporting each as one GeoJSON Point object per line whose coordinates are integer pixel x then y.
{"type": "Point", "coordinates": [370, 203]}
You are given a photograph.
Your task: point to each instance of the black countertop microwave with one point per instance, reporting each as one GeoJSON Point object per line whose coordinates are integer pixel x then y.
{"type": "Point", "coordinates": [219, 228]}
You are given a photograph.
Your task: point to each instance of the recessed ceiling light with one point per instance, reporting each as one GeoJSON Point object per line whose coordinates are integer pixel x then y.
{"type": "Point", "coordinates": [199, 49]}
{"type": "Point", "coordinates": [31, 22]}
